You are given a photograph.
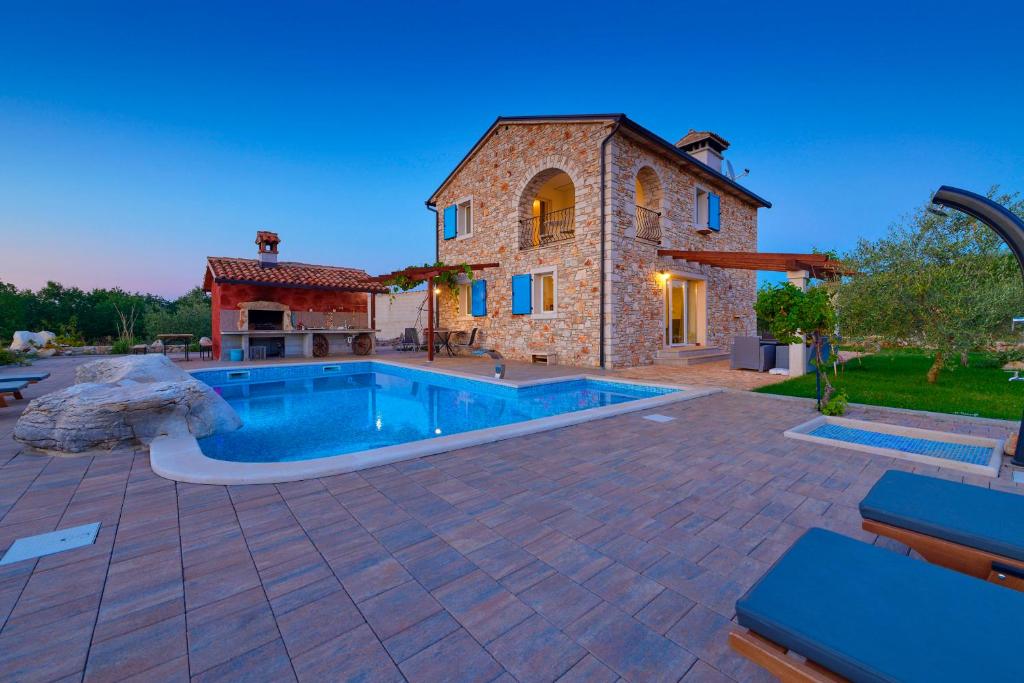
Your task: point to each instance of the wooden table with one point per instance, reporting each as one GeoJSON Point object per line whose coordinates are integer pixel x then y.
{"type": "Point", "coordinates": [166, 338]}
{"type": "Point", "coordinates": [444, 340]}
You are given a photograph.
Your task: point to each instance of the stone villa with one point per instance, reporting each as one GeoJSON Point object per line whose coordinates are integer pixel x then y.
{"type": "Point", "coordinates": [605, 234]}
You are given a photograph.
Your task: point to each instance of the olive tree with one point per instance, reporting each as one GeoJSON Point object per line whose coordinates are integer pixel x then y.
{"type": "Point", "coordinates": [945, 283]}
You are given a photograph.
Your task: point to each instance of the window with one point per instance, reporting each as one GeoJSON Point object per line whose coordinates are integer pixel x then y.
{"type": "Point", "coordinates": [701, 209]}
{"type": "Point", "coordinates": [464, 223]}
{"type": "Point", "coordinates": [465, 300]}
{"type": "Point", "coordinates": [545, 295]}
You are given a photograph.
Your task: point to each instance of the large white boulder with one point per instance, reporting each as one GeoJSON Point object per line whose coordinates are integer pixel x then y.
{"type": "Point", "coordinates": [124, 402]}
{"type": "Point", "coordinates": [27, 341]}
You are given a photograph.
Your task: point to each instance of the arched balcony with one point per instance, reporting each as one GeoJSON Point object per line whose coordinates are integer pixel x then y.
{"type": "Point", "coordinates": [647, 215]}
{"type": "Point", "coordinates": [547, 210]}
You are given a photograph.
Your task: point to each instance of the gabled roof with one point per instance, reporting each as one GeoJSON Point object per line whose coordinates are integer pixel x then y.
{"type": "Point", "coordinates": [224, 269]}
{"type": "Point", "coordinates": [624, 122]}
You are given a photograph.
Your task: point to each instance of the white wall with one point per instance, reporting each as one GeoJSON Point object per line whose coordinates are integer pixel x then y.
{"type": "Point", "coordinates": [393, 316]}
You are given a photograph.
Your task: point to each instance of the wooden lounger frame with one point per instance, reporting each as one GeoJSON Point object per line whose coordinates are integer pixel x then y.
{"type": "Point", "coordinates": [16, 393]}
{"type": "Point", "coordinates": [774, 659]}
{"type": "Point", "coordinates": [960, 558]}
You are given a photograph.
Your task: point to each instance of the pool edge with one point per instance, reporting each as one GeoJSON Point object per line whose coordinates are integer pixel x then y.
{"type": "Point", "coordinates": [179, 458]}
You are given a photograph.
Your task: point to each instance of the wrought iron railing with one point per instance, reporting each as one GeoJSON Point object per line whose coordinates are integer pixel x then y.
{"type": "Point", "coordinates": [553, 226]}
{"type": "Point", "coordinates": [648, 225]}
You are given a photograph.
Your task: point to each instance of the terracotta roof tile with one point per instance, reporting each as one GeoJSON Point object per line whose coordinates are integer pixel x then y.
{"type": "Point", "coordinates": [291, 274]}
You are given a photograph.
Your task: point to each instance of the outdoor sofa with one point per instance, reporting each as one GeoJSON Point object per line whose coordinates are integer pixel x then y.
{"type": "Point", "coordinates": [969, 529]}
{"type": "Point", "coordinates": [750, 353]}
{"type": "Point", "coordinates": [859, 612]}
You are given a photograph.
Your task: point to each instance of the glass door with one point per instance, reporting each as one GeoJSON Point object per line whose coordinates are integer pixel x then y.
{"type": "Point", "coordinates": [680, 312]}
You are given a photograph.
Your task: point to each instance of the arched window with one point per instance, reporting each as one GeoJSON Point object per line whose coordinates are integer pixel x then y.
{"type": "Point", "coordinates": [547, 209]}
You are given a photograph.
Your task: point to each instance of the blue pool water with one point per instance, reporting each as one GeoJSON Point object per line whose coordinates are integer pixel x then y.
{"type": "Point", "coordinates": [975, 455]}
{"type": "Point", "coordinates": [301, 412]}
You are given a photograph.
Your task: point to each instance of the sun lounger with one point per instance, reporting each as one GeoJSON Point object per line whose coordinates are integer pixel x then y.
{"type": "Point", "coordinates": [967, 528]}
{"type": "Point", "coordinates": [12, 387]}
{"type": "Point", "coordinates": [30, 377]}
{"type": "Point", "coordinates": [864, 613]}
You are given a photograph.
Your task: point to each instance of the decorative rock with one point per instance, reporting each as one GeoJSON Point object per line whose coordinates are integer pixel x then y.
{"type": "Point", "coordinates": [124, 402]}
{"type": "Point", "coordinates": [1010, 447]}
{"type": "Point", "coordinates": [27, 341]}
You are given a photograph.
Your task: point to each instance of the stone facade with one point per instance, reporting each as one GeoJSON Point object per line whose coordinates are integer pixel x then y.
{"type": "Point", "coordinates": [500, 177]}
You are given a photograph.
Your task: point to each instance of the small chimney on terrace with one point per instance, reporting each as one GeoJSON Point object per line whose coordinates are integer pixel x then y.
{"type": "Point", "coordinates": [267, 242]}
{"type": "Point", "coordinates": [704, 146]}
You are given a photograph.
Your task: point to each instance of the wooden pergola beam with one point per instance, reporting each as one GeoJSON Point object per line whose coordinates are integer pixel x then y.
{"type": "Point", "coordinates": [817, 264]}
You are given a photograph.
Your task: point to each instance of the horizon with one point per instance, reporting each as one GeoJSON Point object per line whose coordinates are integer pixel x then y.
{"type": "Point", "coordinates": [138, 142]}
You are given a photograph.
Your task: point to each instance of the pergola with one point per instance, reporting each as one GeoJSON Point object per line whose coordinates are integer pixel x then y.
{"type": "Point", "coordinates": [428, 273]}
{"type": "Point", "coordinates": [820, 266]}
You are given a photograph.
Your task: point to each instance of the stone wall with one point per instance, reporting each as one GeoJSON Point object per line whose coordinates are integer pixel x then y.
{"type": "Point", "coordinates": [496, 177]}
{"type": "Point", "coordinates": [637, 303]}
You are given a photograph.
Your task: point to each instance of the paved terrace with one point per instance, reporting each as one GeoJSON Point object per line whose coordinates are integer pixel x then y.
{"type": "Point", "coordinates": [613, 549]}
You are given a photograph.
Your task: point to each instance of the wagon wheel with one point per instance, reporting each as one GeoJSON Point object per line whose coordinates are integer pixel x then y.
{"type": "Point", "coordinates": [320, 346]}
{"type": "Point", "coordinates": [362, 344]}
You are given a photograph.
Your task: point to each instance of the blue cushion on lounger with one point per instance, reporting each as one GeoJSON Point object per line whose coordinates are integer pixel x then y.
{"type": "Point", "coordinates": [969, 515]}
{"type": "Point", "coordinates": [870, 614]}
{"type": "Point", "coordinates": [13, 385]}
{"type": "Point", "coordinates": [26, 376]}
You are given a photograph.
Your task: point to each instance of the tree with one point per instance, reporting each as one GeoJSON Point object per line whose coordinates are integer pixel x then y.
{"type": "Point", "coordinates": [946, 283]}
{"type": "Point", "coordinates": [790, 312]}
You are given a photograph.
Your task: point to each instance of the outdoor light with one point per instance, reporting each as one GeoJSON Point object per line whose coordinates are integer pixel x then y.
{"type": "Point", "coordinates": [437, 431]}
{"type": "Point", "coordinates": [937, 212]}
{"type": "Point", "coordinates": [663, 276]}
{"type": "Point", "coordinates": [437, 290]}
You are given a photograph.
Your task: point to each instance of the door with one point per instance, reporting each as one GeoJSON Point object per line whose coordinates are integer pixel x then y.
{"type": "Point", "coordinates": [680, 312]}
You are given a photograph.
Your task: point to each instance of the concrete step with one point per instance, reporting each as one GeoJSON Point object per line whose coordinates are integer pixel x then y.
{"type": "Point", "coordinates": [683, 357]}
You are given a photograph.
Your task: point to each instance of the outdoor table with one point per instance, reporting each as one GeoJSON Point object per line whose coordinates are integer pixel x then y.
{"type": "Point", "coordinates": [443, 341]}
{"type": "Point", "coordinates": [167, 338]}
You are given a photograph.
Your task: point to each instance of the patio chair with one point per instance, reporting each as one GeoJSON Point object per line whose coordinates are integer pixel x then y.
{"type": "Point", "coordinates": [12, 388]}
{"type": "Point", "coordinates": [863, 613]}
{"type": "Point", "coordinates": [30, 377]}
{"type": "Point", "coordinates": [410, 340]}
{"type": "Point", "coordinates": [969, 529]}
{"type": "Point", "coordinates": [749, 353]}
{"type": "Point", "coordinates": [468, 345]}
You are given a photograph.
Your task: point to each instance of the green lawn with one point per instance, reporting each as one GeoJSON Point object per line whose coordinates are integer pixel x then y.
{"type": "Point", "coordinates": [897, 379]}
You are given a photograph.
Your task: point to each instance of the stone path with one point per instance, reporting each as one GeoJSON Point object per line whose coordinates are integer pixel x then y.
{"type": "Point", "coordinates": [614, 549]}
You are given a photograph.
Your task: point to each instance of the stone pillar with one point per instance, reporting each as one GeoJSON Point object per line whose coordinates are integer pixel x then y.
{"type": "Point", "coordinates": [798, 352]}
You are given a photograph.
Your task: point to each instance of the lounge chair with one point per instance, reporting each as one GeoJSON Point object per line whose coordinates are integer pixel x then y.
{"type": "Point", "coordinates": [468, 345]}
{"type": "Point", "coordinates": [864, 613]}
{"type": "Point", "coordinates": [30, 377]}
{"type": "Point", "coordinates": [410, 340]}
{"type": "Point", "coordinates": [749, 353]}
{"type": "Point", "coordinates": [12, 387]}
{"type": "Point", "coordinates": [970, 529]}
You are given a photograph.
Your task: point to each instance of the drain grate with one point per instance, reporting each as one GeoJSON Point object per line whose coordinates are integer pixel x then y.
{"type": "Point", "coordinates": [658, 418]}
{"type": "Point", "coordinates": [31, 547]}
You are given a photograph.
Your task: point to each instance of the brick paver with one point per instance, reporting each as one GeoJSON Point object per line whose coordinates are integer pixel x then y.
{"type": "Point", "coordinates": [614, 549]}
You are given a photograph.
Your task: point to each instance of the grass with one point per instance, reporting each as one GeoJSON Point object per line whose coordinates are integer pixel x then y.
{"type": "Point", "coordinates": [897, 379]}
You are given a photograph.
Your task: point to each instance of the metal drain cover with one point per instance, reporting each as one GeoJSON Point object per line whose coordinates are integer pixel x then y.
{"type": "Point", "coordinates": [658, 418]}
{"type": "Point", "coordinates": [54, 542]}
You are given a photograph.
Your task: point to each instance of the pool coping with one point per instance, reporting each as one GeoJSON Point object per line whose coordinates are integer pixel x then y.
{"type": "Point", "coordinates": [800, 432]}
{"type": "Point", "coordinates": [179, 458]}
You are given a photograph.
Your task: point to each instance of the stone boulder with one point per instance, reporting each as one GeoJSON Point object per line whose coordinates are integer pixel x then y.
{"type": "Point", "coordinates": [124, 402]}
{"type": "Point", "coordinates": [29, 341]}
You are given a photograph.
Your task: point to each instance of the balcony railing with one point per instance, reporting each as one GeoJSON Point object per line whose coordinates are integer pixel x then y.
{"type": "Point", "coordinates": [554, 226]}
{"type": "Point", "coordinates": [648, 225]}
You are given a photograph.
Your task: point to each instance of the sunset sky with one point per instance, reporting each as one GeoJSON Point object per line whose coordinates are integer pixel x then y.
{"type": "Point", "coordinates": [135, 141]}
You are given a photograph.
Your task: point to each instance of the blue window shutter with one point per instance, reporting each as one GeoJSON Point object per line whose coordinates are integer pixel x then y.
{"type": "Point", "coordinates": [451, 217]}
{"type": "Point", "coordinates": [479, 298]}
{"type": "Point", "coordinates": [521, 299]}
{"type": "Point", "coordinates": [714, 212]}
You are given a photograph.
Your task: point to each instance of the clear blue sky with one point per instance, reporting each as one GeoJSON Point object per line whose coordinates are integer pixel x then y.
{"type": "Point", "coordinates": [135, 139]}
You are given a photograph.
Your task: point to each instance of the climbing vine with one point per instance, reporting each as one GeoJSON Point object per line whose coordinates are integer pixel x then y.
{"type": "Point", "coordinates": [448, 279]}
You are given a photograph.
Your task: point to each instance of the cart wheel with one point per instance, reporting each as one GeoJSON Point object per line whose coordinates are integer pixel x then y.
{"type": "Point", "coordinates": [321, 347]}
{"type": "Point", "coordinates": [362, 344]}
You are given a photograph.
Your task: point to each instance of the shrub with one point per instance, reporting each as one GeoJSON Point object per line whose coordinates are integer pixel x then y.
{"type": "Point", "coordinates": [837, 404]}
{"type": "Point", "coordinates": [122, 346]}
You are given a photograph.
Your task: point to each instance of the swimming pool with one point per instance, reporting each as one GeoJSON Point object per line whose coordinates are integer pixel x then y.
{"type": "Point", "coordinates": [308, 420]}
{"type": "Point", "coordinates": [315, 411]}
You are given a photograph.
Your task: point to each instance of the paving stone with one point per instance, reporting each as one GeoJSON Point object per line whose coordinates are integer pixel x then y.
{"type": "Point", "coordinates": [560, 599]}
{"type": "Point", "coordinates": [482, 605]}
{"type": "Point", "coordinates": [534, 650]}
{"type": "Point", "coordinates": [623, 587]}
{"type": "Point", "coordinates": [420, 636]}
{"type": "Point", "coordinates": [395, 610]}
{"type": "Point", "coordinates": [353, 656]}
{"type": "Point", "coordinates": [318, 621]}
{"type": "Point", "coordinates": [457, 658]}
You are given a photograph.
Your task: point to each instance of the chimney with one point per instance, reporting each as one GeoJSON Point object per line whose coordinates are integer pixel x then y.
{"type": "Point", "coordinates": [267, 242]}
{"type": "Point", "coordinates": [704, 146]}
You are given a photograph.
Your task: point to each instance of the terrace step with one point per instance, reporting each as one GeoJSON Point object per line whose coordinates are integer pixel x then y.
{"type": "Point", "coordinates": [684, 357]}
